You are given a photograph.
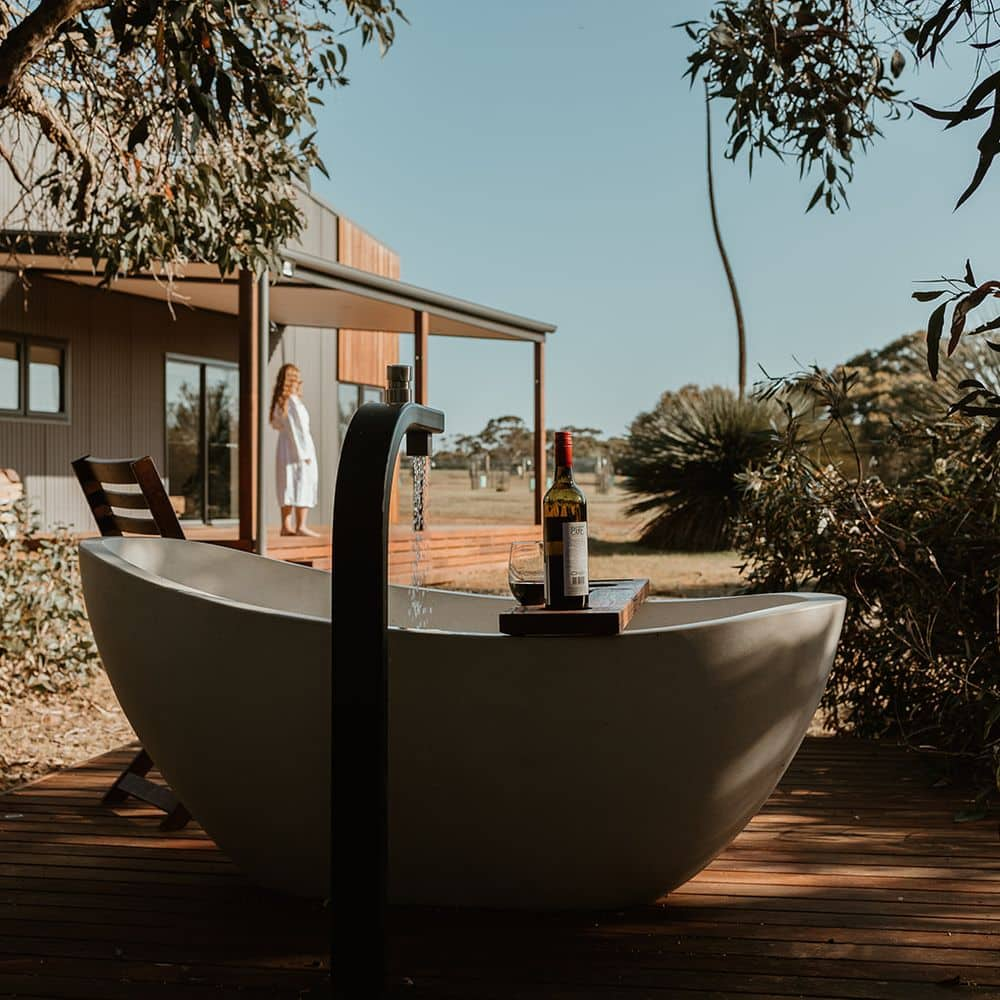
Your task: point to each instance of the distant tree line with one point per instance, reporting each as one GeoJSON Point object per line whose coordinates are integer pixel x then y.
{"type": "Point", "coordinates": [687, 458]}
{"type": "Point", "coordinates": [509, 441]}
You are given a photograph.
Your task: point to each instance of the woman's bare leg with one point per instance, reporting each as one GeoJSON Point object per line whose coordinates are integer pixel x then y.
{"type": "Point", "coordinates": [286, 521]}
{"type": "Point", "coordinates": [301, 513]}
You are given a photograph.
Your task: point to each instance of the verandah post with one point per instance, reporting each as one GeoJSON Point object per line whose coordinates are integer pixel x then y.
{"type": "Point", "coordinates": [249, 342]}
{"type": "Point", "coordinates": [539, 457]}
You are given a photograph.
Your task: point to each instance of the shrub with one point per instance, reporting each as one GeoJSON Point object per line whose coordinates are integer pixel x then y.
{"type": "Point", "coordinates": [685, 458]}
{"type": "Point", "coordinates": [892, 387]}
{"type": "Point", "coordinates": [918, 560]}
{"type": "Point", "coordinates": [45, 638]}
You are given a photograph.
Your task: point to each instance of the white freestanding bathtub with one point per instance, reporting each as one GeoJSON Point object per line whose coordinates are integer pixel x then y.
{"type": "Point", "coordinates": [524, 772]}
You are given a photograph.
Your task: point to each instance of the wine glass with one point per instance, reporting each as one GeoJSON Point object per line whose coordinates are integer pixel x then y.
{"type": "Point", "coordinates": [526, 572]}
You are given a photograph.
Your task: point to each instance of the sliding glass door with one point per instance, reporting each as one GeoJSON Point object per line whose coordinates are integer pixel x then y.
{"type": "Point", "coordinates": [202, 438]}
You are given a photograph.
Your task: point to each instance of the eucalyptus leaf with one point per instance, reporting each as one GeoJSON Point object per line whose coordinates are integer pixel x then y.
{"type": "Point", "coordinates": [935, 328]}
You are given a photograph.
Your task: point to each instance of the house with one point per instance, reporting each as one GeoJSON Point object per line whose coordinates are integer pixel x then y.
{"type": "Point", "coordinates": [125, 372]}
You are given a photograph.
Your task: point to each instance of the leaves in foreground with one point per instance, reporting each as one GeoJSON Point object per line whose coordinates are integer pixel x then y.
{"type": "Point", "coordinates": [151, 134]}
{"type": "Point", "coordinates": [45, 638]}
{"type": "Point", "coordinates": [918, 559]}
{"type": "Point", "coordinates": [964, 296]}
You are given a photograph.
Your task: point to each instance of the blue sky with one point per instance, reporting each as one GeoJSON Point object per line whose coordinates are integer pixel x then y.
{"type": "Point", "coordinates": [546, 157]}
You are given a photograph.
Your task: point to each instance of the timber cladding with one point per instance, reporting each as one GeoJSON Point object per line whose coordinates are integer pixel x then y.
{"type": "Point", "coordinates": [363, 354]}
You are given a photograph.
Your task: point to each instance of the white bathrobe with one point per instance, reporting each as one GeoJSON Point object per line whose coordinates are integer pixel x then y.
{"type": "Point", "coordinates": [297, 479]}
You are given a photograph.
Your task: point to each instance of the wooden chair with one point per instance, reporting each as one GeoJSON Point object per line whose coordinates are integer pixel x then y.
{"type": "Point", "coordinates": [153, 515]}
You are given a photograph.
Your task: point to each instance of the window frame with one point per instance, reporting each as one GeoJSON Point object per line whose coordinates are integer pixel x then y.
{"type": "Point", "coordinates": [24, 342]}
{"type": "Point", "coordinates": [18, 342]}
{"type": "Point", "coordinates": [360, 388]}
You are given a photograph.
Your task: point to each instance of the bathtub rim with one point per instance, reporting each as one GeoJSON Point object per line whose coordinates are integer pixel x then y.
{"type": "Point", "coordinates": [801, 601]}
{"type": "Point", "coordinates": [106, 550]}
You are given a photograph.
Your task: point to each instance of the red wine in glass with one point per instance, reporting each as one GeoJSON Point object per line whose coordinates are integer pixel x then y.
{"type": "Point", "coordinates": [528, 592]}
{"type": "Point", "coordinates": [526, 573]}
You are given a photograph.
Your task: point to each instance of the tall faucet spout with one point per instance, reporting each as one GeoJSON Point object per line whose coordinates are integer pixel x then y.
{"type": "Point", "coordinates": [360, 675]}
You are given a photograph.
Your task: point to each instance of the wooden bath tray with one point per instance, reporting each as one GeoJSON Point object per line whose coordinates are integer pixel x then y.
{"type": "Point", "coordinates": [612, 605]}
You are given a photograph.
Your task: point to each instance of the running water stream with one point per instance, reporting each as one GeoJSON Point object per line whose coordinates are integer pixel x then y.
{"type": "Point", "coordinates": [418, 612]}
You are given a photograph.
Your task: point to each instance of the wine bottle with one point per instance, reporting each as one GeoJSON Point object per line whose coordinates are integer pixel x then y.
{"type": "Point", "coordinates": [564, 530]}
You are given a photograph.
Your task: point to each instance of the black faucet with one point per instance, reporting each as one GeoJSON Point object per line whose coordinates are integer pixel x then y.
{"type": "Point", "coordinates": [359, 721]}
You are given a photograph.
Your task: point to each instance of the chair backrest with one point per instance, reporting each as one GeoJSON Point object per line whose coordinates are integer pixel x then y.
{"type": "Point", "coordinates": [154, 514]}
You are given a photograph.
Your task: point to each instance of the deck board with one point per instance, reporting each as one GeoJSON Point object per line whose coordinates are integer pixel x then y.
{"type": "Point", "coordinates": [853, 882]}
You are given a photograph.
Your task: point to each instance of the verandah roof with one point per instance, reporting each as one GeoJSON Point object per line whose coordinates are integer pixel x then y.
{"type": "Point", "coordinates": [310, 291]}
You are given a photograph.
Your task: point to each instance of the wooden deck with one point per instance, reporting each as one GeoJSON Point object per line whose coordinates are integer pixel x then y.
{"type": "Point", "coordinates": [853, 882]}
{"type": "Point", "coordinates": [443, 548]}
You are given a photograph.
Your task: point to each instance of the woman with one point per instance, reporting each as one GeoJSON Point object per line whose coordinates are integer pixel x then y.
{"type": "Point", "coordinates": [297, 475]}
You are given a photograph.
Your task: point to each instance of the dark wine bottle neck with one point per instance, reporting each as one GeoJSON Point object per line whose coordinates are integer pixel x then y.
{"type": "Point", "coordinates": [564, 473]}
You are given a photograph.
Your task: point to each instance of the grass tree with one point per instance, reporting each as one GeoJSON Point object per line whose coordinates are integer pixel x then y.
{"type": "Point", "coordinates": [685, 459]}
{"type": "Point", "coordinates": [151, 133]}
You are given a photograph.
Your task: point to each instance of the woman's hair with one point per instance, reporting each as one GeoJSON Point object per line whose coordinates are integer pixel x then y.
{"type": "Point", "coordinates": [287, 383]}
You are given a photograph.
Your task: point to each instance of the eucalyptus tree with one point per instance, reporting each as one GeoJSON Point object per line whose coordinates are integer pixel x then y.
{"type": "Point", "coordinates": [809, 81]}
{"type": "Point", "coordinates": [149, 133]}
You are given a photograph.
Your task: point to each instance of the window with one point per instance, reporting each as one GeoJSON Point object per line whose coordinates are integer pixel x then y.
{"type": "Point", "coordinates": [10, 376]}
{"type": "Point", "coordinates": [32, 377]}
{"type": "Point", "coordinates": [349, 397]}
{"type": "Point", "coordinates": [45, 378]}
{"type": "Point", "coordinates": [202, 424]}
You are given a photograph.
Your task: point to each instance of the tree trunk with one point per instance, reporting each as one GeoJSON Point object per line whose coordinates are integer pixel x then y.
{"type": "Point", "coordinates": [740, 329]}
{"type": "Point", "coordinates": [30, 36]}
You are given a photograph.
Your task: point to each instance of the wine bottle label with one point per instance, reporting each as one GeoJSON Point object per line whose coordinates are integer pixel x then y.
{"type": "Point", "coordinates": [576, 582]}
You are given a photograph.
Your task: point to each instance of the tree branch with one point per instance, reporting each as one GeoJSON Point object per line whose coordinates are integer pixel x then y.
{"type": "Point", "coordinates": [57, 130]}
{"type": "Point", "coordinates": [8, 157]}
{"type": "Point", "coordinates": [26, 40]}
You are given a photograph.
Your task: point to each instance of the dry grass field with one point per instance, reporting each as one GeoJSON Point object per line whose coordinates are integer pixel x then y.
{"type": "Point", "coordinates": [613, 550]}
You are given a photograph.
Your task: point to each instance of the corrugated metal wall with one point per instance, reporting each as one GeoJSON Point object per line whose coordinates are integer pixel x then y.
{"type": "Point", "coordinates": [117, 349]}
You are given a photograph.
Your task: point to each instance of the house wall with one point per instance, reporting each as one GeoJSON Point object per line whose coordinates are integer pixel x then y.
{"type": "Point", "coordinates": [361, 354]}
{"type": "Point", "coordinates": [117, 350]}
{"type": "Point", "coordinates": [116, 387]}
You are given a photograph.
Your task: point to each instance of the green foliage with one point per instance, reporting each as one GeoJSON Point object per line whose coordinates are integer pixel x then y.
{"type": "Point", "coordinates": [685, 458]}
{"type": "Point", "coordinates": [919, 561]}
{"type": "Point", "coordinates": [505, 439]}
{"type": "Point", "coordinates": [509, 439]}
{"type": "Point", "coordinates": [806, 79]}
{"type": "Point", "coordinates": [880, 391]}
{"type": "Point", "coordinates": [975, 397]}
{"type": "Point", "coordinates": [45, 638]}
{"type": "Point", "coordinates": [152, 134]}
{"type": "Point", "coordinates": [894, 383]}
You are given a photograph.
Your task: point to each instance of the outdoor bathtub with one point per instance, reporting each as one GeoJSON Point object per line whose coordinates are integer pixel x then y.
{"type": "Point", "coordinates": [586, 772]}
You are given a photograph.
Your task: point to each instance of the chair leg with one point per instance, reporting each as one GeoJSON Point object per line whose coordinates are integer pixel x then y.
{"type": "Point", "coordinates": [139, 766]}
{"type": "Point", "coordinates": [133, 782]}
{"type": "Point", "coordinates": [176, 819]}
